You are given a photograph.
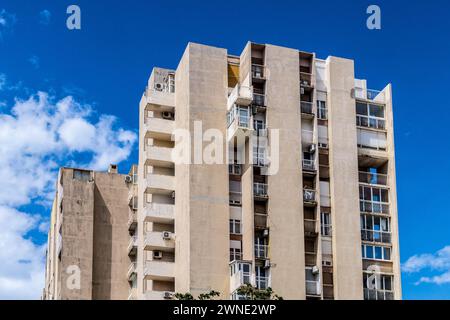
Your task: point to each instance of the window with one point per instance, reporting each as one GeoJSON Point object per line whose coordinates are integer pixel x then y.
{"type": "Point", "coordinates": [325, 224]}
{"type": "Point", "coordinates": [370, 115]}
{"type": "Point", "coordinates": [322, 110]}
{"type": "Point", "coordinates": [376, 252]}
{"type": "Point", "coordinates": [258, 124]}
{"type": "Point", "coordinates": [378, 287]}
{"type": "Point", "coordinates": [374, 199]}
{"type": "Point", "coordinates": [235, 254]}
{"type": "Point", "coordinates": [375, 228]}
{"type": "Point", "coordinates": [235, 226]}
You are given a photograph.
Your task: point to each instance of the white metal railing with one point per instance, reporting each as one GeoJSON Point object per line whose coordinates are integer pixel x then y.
{"type": "Point", "coordinates": [309, 195]}
{"type": "Point", "coordinates": [370, 95]}
{"type": "Point", "coordinates": [376, 236]}
{"type": "Point", "coordinates": [370, 122]}
{"type": "Point", "coordinates": [259, 159]}
{"type": "Point", "coordinates": [258, 71]}
{"type": "Point", "coordinates": [259, 99]}
{"type": "Point", "coordinates": [377, 294]}
{"type": "Point", "coordinates": [260, 189]}
{"type": "Point", "coordinates": [307, 136]}
{"type": "Point", "coordinates": [131, 269]}
{"type": "Point", "coordinates": [234, 169]}
{"type": "Point", "coordinates": [132, 243]}
{"type": "Point", "coordinates": [261, 250]}
{"type": "Point", "coordinates": [306, 107]}
{"type": "Point", "coordinates": [373, 178]}
{"type": "Point", "coordinates": [309, 164]}
{"type": "Point", "coordinates": [374, 207]}
{"type": "Point", "coordinates": [262, 283]}
{"type": "Point", "coordinates": [325, 230]}
{"type": "Point", "coordinates": [312, 287]}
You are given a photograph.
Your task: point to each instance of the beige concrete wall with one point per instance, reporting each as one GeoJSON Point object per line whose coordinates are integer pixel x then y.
{"type": "Point", "coordinates": [285, 207]}
{"type": "Point", "coordinates": [77, 235]}
{"type": "Point", "coordinates": [393, 193]}
{"type": "Point", "coordinates": [345, 214]}
{"type": "Point", "coordinates": [111, 237]}
{"type": "Point", "coordinates": [201, 205]}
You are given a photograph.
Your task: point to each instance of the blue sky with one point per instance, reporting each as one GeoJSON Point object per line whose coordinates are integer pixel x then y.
{"type": "Point", "coordinates": [105, 66]}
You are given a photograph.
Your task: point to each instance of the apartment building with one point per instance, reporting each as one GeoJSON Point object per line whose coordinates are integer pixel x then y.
{"type": "Point", "coordinates": [307, 203]}
{"type": "Point", "coordinates": [88, 240]}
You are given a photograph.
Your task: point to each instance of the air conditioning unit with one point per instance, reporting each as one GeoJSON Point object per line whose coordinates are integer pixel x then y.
{"type": "Point", "coordinates": [235, 201]}
{"type": "Point", "coordinates": [173, 195]}
{"type": "Point", "coordinates": [266, 233]}
{"type": "Point", "coordinates": [157, 254]}
{"type": "Point", "coordinates": [167, 295]}
{"type": "Point", "coordinates": [315, 270]}
{"type": "Point", "coordinates": [327, 263]}
{"type": "Point", "coordinates": [267, 264]}
{"type": "Point", "coordinates": [168, 115]}
{"type": "Point", "coordinates": [128, 179]}
{"type": "Point", "coordinates": [166, 235]}
{"type": "Point", "coordinates": [159, 86]}
{"type": "Point", "coordinates": [312, 148]}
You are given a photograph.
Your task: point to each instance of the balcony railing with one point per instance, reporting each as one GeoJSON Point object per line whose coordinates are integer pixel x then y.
{"type": "Point", "coordinates": [310, 226]}
{"type": "Point", "coordinates": [234, 169]}
{"type": "Point", "coordinates": [375, 294]}
{"type": "Point", "coordinates": [309, 195]}
{"type": "Point", "coordinates": [312, 288]}
{"type": "Point", "coordinates": [309, 165]}
{"type": "Point", "coordinates": [241, 121]}
{"type": "Point", "coordinates": [260, 160]}
{"type": "Point", "coordinates": [259, 100]}
{"type": "Point", "coordinates": [373, 178]}
{"type": "Point", "coordinates": [373, 207]}
{"type": "Point", "coordinates": [376, 236]}
{"type": "Point", "coordinates": [370, 95]}
{"type": "Point", "coordinates": [261, 251]}
{"type": "Point", "coordinates": [258, 71]}
{"type": "Point", "coordinates": [262, 283]}
{"type": "Point", "coordinates": [306, 107]}
{"type": "Point", "coordinates": [131, 272]}
{"type": "Point", "coordinates": [260, 189]}
{"type": "Point", "coordinates": [370, 122]}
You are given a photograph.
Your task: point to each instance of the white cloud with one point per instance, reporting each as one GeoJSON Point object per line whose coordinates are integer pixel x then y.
{"type": "Point", "coordinates": [439, 261]}
{"type": "Point", "coordinates": [35, 62]}
{"type": "Point", "coordinates": [37, 136]}
{"type": "Point", "coordinates": [44, 17]}
{"type": "Point", "coordinates": [7, 20]}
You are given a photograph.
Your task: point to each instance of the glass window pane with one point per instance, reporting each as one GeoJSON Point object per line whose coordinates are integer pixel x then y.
{"type": "Point", "coordinates": [378, 253]}
{"type": "Point", "coordinates": [376, 111]}
{"type": "Point", "coordinates": [387, 253]}
{"type": "Point", "coordinates": [361, 108]}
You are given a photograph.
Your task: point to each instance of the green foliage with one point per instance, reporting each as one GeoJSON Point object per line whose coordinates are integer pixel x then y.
{"type": "Point", "coordinates": [203, 296]}
{"type": "Point", "coordinates": [252, 293]}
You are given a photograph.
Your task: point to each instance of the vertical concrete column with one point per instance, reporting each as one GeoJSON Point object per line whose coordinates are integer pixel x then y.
{"type": "Point", "coordinates": [285, 206]}
{"type": "Point", "coordinates": [344, 180]}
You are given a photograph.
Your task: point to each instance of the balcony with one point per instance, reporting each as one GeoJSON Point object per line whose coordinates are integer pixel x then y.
{"type": "Point", "coordinates": [261, 251]}
{"type": "Point", "coordinates": [310, 227]}
{"type": "Point", "coordinates": [260, 190]}
{"type": "Point", "coordinates": [307, 137]}
{"type": "Point", "coordinates": [159, 212]}
{"type": "Point", "coordinates": [159, 295]}
{"type": "Point", "coordinates": [260, 160]}
{"type": "Point", "coordinates": [160, 241]}
{"type": "Point", "coordinates": [375, 294]}
{"type": "Point", "coordinates": [369, 95]}
{"type": "Point", "coordinates": [240, 95]}
{"type": "Point", "coordinates": [260, 221]}
{"type": "Point", "coordinates": [368, 206]}
{"type": "Point", "coordinates": [131, 272]}
{"type": "Point", "coordinates": [159, 156]}
{"type": "Point", "coordinates": [370, 122]}
{"type": "Point", "coordinates": [373, 178]}
{"type": "Point", "coordinates": [239, 124]}
{"type": "Point", "coordinates": [258, 72]}
{"type": "Point", "coordinates": [306, 81]}
{"type": "Point", "coordinates": [259, 100]}
{"type": "Point", "coordinates": [308, 165]}
{"type": "Point", "coordinates": [132, 295]}
{"type": "Point", "coordinates": [376, 236]}
{"type": "Point", "coordinates": [132, 221]}
{"type": "Point", "coordinates": [309, 196]}
{"type": "Point", "coordinates": [159, 100]}
{"type": "Point", "coordinates": [312, 288]}
{"type": "Point", "coordinates": [158, 183]}
{"type": "Point", "coordinates": [159, 270]}
{"type": "Point", "coordinates": [240, 274]}
{"type": "Point", "coordinates": [159, 128]}
{"type": "Point", "coordinates": [132, 246]}
{"type": "Point", "coordinates": [307, 109]}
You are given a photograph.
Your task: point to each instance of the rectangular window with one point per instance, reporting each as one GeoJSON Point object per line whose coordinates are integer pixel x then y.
{"type": "Point", "coordinates": [321, 110]}
{"type": "Point", "coordinates": [235, 226]}
{"type": "Point", "coordinates": [376, 252]}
